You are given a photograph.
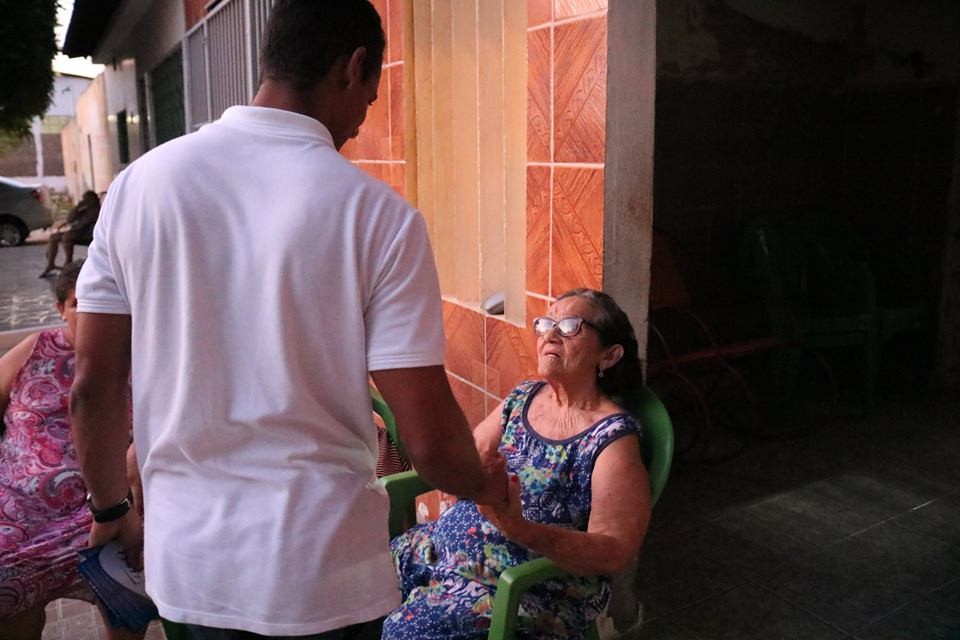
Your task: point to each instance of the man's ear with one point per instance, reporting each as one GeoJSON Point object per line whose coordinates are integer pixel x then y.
{"type": "Point", "coordinates": [353, 71]}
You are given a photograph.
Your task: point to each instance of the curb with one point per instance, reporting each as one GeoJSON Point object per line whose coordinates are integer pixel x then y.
{"type": "Point", "coordinates": [13, 337]}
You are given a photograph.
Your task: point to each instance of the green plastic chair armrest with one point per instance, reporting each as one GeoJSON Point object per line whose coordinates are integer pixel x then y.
{"type": "Point", "coordinates": [513, 584]}
{"type": "Point", "coordinates": [402, 488]}
{"type": "Point", "coordinates": [381, 408]}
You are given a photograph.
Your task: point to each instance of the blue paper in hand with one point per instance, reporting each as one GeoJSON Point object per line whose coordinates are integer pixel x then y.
{"type": "Point", "coordinates": [118, 586]}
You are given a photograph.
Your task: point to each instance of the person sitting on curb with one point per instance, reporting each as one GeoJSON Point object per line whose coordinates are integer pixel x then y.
{"type": "Point", "coordinates": [81, 220]}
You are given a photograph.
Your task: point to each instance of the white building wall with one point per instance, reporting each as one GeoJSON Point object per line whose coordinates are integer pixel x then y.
{"type": "Point", "coordinates": [66, 92]}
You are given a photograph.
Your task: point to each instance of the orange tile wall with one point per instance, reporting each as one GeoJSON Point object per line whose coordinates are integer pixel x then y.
{"type": "Point", "coordinates": [194, 11]}
{"type": "Point", "coordinates": [566, 107]}
{"type": "Point", "coordinates": [378, 149]}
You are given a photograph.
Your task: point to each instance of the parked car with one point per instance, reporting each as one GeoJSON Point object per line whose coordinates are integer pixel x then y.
{"type": "Point", "coordinates": [21, 211]}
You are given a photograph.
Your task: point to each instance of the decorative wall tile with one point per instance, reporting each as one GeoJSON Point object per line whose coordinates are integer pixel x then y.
{"type": "Point", "coordinates": [577, 229]}
{"type": "Point", "coordinates": [373, 143]}
{"type": "Point", "coordinates": [398, 178]}
{"type": "Point", "coordinates": [580, 90]}
{"type": "Point", "coordinates": [395, 82]}
{"type": "Point", "coordinates": [394, 30]}
{"type": "Point", "coordinates": [349, 149]}
{"type": "Point", "coordinates": [432, 504]}
{"type": "Point", "coordinates": [538, 230]}
{"type": "Point", "coordinates": [566, 102]}
{"type": "Point", "coordinates": [536, 307]}
{"type": "Point", "coordinates": [492, 403]}
{"type": "Point", "coordinates": [465, 334]}
{"type": "Point", "coordinates": [571, 8]}
{"type": "Point", "coordinates": [539, 12]}
{"type": "Point", "coordinates": [470, 399]}
{"type": "Point", "coordinates": [194, 11]}
{"type": "Point", "coordinates": [381, 7]}
{"type": "Point", "coordinates": [511, 356]}
{"type": "Point", "coordinates": [538, 96]}
{"type": "Point", "coordinates": [379, 170]}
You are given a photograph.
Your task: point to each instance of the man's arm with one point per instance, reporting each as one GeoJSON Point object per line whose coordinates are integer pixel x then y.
{"type": "Point", "coordinates": [101, 421]}
{"type": "Point", "coordinates": [436, 435]}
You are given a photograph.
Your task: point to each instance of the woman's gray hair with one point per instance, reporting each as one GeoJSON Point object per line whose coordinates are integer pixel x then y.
{"type": "Point", "coordinates": [623, 380]}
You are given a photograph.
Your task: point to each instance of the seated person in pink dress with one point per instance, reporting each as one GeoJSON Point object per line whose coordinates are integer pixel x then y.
{"type": "Point", "coordinates": [44, 517]}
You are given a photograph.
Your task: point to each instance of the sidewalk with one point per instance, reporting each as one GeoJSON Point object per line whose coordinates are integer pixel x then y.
{"type": "Point", "coordinates": [26, 301]}
{"type": "Point", "coordinates": [77, 620]}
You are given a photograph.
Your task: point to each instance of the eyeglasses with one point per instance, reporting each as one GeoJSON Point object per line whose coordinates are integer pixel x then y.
{"type": "Point", "coordinates": [566, 327]}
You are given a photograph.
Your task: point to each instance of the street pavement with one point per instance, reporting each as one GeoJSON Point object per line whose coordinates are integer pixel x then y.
{"type": "Point", "coordinates": [26, 301]}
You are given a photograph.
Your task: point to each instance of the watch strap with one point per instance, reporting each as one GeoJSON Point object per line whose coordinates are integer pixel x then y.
{"type": "Point", "coordinates": [110, 514]}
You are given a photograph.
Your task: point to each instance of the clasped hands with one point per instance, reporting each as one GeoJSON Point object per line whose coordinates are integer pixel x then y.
{"type": "Point", "coordinates": [501, 504]}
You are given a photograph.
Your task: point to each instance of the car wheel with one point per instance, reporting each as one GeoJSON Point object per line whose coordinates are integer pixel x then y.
{"type": "Point", "coordinates": [12, 233]}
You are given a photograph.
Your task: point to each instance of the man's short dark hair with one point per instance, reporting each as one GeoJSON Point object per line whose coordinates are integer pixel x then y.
{"type": "Point", "coordinates": [304, 38]}
{"type": "Point", "coordinates": [67, 280]}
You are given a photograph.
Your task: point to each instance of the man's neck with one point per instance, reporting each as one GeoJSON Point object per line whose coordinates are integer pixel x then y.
{"type": "Point", "coordinates": [279, 95]}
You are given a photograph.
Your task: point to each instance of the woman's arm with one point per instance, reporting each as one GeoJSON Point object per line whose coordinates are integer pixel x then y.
{"type": "Point", "coordinates": [10, 364]}
{"type": "Point", "coordinates": [619, 513]}
{"type": "Point", "coordinates": [487, 434]}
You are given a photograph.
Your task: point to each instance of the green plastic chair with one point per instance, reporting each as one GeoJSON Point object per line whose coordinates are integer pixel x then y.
{"type": "Point", "coordinates": [818, 294]}
{"type": "Point", "coordinates": [381, 409]}
{"type": "Point", "coordinates": [657, 453]}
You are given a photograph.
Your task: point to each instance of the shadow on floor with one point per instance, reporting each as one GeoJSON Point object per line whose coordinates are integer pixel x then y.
{"type": "Point", "coordinates": [851, 531]}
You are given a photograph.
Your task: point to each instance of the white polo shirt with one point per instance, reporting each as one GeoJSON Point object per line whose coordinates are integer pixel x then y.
{"type": "Point", "coordinates": [265, 276]}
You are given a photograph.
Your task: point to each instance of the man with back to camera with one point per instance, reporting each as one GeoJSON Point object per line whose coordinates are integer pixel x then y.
{"type": "Point", "coordinates": [250, 277]}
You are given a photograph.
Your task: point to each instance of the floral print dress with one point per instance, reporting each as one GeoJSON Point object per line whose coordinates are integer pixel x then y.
{"type": "Point", "coordinates": [449, 568]}
{"type": "Point", "coordinates": [44, 519]}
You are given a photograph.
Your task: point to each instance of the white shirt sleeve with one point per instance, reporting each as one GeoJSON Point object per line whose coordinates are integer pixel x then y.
{"type": "Point", "coordinates": [99, 286]}
{"type": "Point", "coordinates": [404, 317]}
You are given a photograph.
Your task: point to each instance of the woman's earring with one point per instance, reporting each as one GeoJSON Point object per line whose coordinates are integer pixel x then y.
{"type": "Point", "coordinates": [599, 372]}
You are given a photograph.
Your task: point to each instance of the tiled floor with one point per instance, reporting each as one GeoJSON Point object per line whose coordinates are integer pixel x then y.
{"type": "Point", "coordinates": [76, 620]}
{"type": "Point", "coordinates": [852, 531]}
{"type": "Point", "coordinates": [25, 300]}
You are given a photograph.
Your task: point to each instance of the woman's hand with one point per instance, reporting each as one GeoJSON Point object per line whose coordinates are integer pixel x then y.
{"type": "Point", "coordinates": [508, 517]}
{"type": "Point", "coordinates": [619, 512]}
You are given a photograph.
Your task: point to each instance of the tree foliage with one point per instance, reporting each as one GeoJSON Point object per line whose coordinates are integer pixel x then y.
{"type": "Point", "coordinates": [27, 48]}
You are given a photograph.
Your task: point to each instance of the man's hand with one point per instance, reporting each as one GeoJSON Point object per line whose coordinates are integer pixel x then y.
{"type": "Point", "coordinates": [494, 471]}
{"type": "Point", "coordinates": [133, 479]}
{"type": "Point", "coordinates": [507, 515]}
{"type": "Point", "coordinates": [128, 530]}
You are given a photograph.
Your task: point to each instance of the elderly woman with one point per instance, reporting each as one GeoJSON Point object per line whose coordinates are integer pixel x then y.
{"type": "Point", "coordinates": [579, 492]}
{"type": "Point", "coordinates": [44, 518]}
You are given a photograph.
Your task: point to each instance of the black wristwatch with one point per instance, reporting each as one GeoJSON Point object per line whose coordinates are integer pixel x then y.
{"type": "Point", "coordinates": [110, 514]}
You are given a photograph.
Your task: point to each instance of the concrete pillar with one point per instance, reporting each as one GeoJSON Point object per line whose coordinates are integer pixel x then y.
{"type": "Point", "coordinates": [628, 197]}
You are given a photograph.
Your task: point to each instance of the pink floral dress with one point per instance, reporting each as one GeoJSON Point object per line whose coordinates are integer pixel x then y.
{"type": "Point", "coordinates": [43, 516]}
